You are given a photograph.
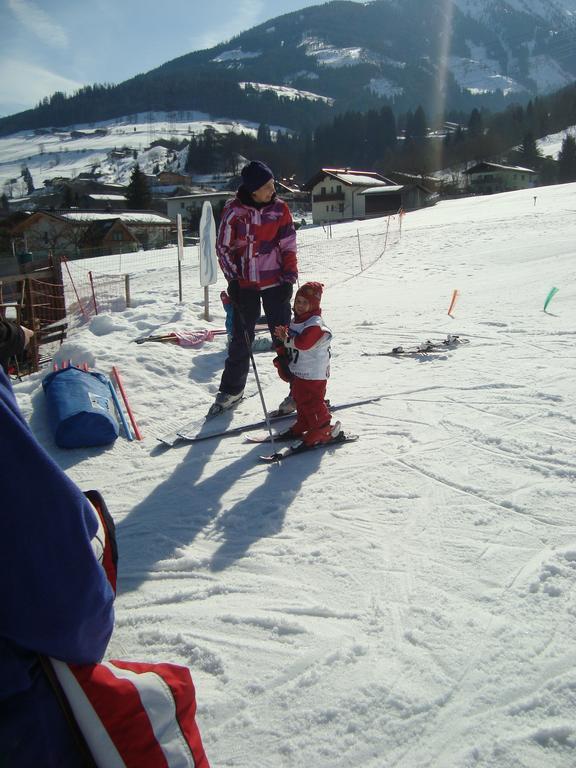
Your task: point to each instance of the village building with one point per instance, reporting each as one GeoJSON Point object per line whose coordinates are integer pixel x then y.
{"type": "Point", "coordinates": [171, 178]}
{"type": "Point", "coordinates": [103, 200]}
{"type": "Point", "coordinates": [336, 193]}
{"type": "Point", "coordinates": [489, 178]}
{"type": "Point", "coordinates": [190, 206]}
{"type": "Point", "coordinates": [343, 194]}
{"type": "Point", "coordinates": [295, 197]}
{"type": "Point", "coordinates": [79, 234]}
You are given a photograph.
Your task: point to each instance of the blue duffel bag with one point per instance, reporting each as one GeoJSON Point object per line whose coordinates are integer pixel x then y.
{"type": "Point", "coordinates": [80, 408]}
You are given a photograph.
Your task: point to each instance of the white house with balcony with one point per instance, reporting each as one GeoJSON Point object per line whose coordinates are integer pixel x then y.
{"type": "Point", "coordinates": [190, 206]}
{"type": "Point", "coordinates": [339, 194]}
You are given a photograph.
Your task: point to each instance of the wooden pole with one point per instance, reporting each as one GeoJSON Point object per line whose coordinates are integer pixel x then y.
{"type": "Point", "coordinates": [91, 278]}
{"type": "Point", "coordinates": [180, 254]}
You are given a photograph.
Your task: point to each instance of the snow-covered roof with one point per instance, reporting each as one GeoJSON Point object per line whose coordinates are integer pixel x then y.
{"type": "Point", "coordinates": [499, 167]}
{"type": "Point", "coordinates": [111, 198]}
{"type": "Point", "coordinates": [360, 180]}
{"type": "Point", "coordinates": [380, 190]}
{"type": "Point", "coordinates": [212, 193]}
{"type": "Point", "coordinates": [126, 216]}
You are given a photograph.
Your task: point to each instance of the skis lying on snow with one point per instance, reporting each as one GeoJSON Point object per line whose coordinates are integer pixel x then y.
{"type": "Point", "coordinates": [424, 348]}
{"type": "Point", "coordinates": [200, 429]}
{"type": "Point", "coordinates": [191, 338]}
{"type": "Point", "coordinates": [301, 447]}
{"type": "Point", "coordinates": [200, 426]}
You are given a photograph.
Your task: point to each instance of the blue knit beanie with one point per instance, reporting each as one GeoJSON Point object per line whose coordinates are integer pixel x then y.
{"type": "Point", "coordinates": [255, 175]}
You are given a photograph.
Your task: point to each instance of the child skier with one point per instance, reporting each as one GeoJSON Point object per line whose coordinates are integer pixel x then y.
{"type": "Point", "coordinates": [306, 365]}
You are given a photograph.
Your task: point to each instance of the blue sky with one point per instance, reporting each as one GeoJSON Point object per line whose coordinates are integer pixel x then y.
{"type": "Point", "coordinates": [49, 45]}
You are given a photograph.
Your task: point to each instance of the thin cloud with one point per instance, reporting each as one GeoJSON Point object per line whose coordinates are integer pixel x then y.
{"type": "Point", "coordinates": [19, 79]}
{"type": "Point", "coordinates": [37, 21]}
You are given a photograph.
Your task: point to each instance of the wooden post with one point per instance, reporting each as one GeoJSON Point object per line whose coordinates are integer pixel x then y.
{"type": "Point", "coordinates": [91, 278]}
{"type": "Point", "coordinates": [206, 303]}
{"type": "Point", "coordinates": [180, 254]}
{"type": "Point", "coordinates": [127, 290]}
{"type": "Point", "coordinates": [32, 324]}
{"type": "Point", "coordinates": [386, 238]}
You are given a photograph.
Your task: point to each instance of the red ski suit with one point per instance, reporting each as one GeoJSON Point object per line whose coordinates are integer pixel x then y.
{"type": "Point", "coordinates": [307, 390]}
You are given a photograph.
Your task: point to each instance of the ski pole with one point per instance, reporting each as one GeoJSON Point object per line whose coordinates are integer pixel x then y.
{"type": "Point", "coordinates": [260, 392]}
{"type": "Point", "coordinates": [120, 412]}
{"type": "Point", "coordinates": [116, 375]}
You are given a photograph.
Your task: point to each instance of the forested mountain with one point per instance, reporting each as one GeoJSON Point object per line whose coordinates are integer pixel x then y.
{"type": "Point", "coordinates": [302, 68]}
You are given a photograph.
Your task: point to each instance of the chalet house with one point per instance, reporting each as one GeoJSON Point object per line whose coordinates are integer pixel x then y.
{"type": "Point", "coordinates": [77, 234]}
{"type": "Point", "coordinates": [103, 200]}
{"type": "Point", "coordinates": [190, 206]}
{"type": "Point", "coordinates": [171, 178]}
{"type": "Point", "coordinates": [489, 178]}
{"type": "Point", "coordinates": [400, 177]}
{"type": "Point", "coordinates": [108, 236]}
{"type": "Point", "coordinates": [341, 194]}
{"type": "Point", "coordinates": [293, 195]}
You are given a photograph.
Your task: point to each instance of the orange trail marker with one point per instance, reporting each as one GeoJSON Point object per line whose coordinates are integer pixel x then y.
{"type": "Point", "coordinates": [455, 295]}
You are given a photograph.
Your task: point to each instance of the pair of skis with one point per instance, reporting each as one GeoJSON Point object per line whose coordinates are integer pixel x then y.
{"type": "Point", "coordinates": [299, 446]}
{"type": "Point", "coordinates": [200, 430]}
{"type": "Point", "coordinates": [424, 348]}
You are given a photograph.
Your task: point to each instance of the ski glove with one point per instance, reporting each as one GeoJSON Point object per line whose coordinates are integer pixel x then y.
{"type": "Point", "coordinates": [281, 365]}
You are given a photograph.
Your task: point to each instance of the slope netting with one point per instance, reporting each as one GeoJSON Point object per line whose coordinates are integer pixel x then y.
{"type": "Point", "coordinates": [112, 283]}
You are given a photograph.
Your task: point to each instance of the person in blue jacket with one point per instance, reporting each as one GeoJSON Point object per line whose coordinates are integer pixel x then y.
{"type": "Point", "coordinates": [55, 597]}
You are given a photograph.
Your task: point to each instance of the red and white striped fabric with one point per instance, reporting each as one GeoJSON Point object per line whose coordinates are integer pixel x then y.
{"type": "Point", "coordinates": [134, 715]}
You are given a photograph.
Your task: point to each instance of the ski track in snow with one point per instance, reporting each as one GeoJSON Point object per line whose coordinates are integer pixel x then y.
{"type": "Point", "coordinates": [406, 601]}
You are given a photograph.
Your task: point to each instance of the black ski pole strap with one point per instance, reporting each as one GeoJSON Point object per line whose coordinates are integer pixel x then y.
{"type": "Point", "coordinates": [255, 369]}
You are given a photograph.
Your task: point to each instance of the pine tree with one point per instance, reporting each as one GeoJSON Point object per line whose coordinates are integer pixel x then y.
{"type": "Point", "coordinates": [530, 154]}
{"type": "Point", "coordinates": [138, 192]}
{"type": "Point", "coordinates": [475, 126]}
{"type": "Point", "coordinates": [567, 159]}
{"type": "Point", "coordinates": [264, 136]}
{"type": "Point", "coordinates": [27, 176]}
{"type": "Point", "coordinates": [420, 125]}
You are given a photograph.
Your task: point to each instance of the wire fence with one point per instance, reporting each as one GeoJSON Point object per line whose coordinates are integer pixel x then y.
{"type": "Point", "coordinates": [115, 282]}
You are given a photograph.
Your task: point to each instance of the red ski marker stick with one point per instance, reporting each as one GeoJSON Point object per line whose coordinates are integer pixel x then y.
{"type": "Point", "coordinates": [453, 302]}
{"type": "Point", "coordinates": [126, 403]}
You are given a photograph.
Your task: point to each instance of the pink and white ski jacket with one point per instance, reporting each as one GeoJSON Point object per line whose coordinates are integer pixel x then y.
{"type": "Point", "coordinates": [257, 246]}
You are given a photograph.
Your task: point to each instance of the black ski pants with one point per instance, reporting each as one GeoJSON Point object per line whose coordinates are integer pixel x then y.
{"type": "Point", "coordinates": [278, 311]}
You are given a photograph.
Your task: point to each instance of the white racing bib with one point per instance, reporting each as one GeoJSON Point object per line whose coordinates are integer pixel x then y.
{"type": "Point", "coordinates": [313, 363]}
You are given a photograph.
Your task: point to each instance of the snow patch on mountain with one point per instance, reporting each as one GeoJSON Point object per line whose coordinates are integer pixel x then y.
{"type": "Point", "coordinates": [546, 9]}
{"type": "Point", "coordinates": [551, 145]}
{"type": "Point", "coordinates": [381, 86]}
{"type": "Point", "coordinates": [481, 75]}
{"type": "Point", "coordinates": [548, 74]}
{"type": "Point", "coordinates": [286, 92]}
{"type": "Point", "coordinates": [303, 74]}
{"type": "Point", "coordinates": [332, 56]}
{"type": "Point", "coordinates": [236, 55]}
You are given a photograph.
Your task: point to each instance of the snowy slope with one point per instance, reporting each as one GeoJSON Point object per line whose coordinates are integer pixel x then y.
{"type": "Point", "coordinates": [551, 145]}
{"type": "Point", "coordinates": [406, 601]}
{"type": "Point", "coordinates": [59, 153]}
